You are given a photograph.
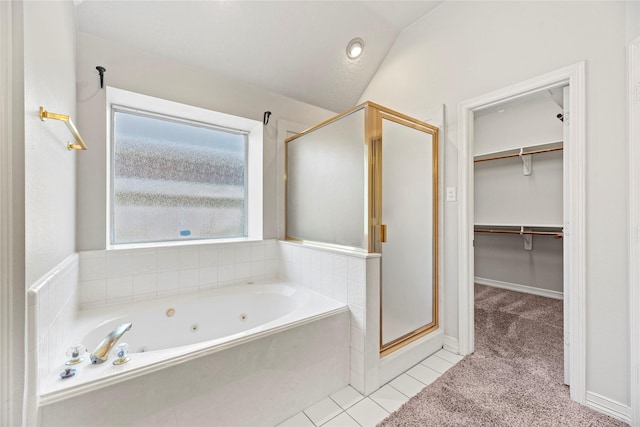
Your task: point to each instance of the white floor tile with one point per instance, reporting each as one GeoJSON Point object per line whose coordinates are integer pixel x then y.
{"type": "Point", "coordinates": [389, 398]}
{"type": "Point", "coordinates": [437, 364]}
{"type": "Point", "coordinates": [298, 420]}
{"type": "Point", "coordinates": [342, 420]}
{"type": "Point", "coordinates": [407, 385]}
{"type": "Point", "coordinates": [347, 397]}
{"type": "Point", "coordinates": [449, 356]}
{"type": "Point", "coordinates": [423, 374]}
{"type": "Point", "coordinates": [322, 411]}
{"type": "Point", "coordinates": [367, 413]}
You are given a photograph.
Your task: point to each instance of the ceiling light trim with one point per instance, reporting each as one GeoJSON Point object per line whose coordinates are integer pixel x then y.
{"type": "Point", "coordinates": [355, 48]}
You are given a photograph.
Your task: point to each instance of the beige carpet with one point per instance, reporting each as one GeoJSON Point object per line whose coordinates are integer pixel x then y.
{"type": "Point", "coordinates": [514, 378]}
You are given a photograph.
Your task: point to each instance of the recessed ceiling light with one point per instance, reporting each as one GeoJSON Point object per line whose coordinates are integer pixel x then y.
{"type": "Point", "coordinates": [355, 48]}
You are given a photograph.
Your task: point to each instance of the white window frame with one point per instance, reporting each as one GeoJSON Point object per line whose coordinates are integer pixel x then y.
{"type": "Point", "coordinates": [150, 104]}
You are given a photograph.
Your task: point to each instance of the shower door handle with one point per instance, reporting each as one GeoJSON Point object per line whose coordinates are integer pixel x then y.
{"type": "Point", "coordinates": [383, 233]}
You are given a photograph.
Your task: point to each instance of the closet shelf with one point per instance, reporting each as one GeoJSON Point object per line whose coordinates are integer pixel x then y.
{"type": "Point", "coordinates": [520, 151]}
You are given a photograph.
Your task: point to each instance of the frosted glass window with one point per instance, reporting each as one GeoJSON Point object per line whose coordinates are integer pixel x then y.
{"type": "Point", "coordinates": [175, 179]}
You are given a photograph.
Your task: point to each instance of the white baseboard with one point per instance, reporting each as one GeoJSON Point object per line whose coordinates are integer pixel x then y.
{"type": "Point", "coordinates": [519, 288]}
{"type": "Point", "coordinates": [610, 407]}
{"type": "Point", "coordinates": [451, 344]}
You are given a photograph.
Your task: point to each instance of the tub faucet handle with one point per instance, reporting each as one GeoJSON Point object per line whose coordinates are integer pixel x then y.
{"type": "Point", "coordinates": [76, 354]}
{"type": "Point", "coordinates": [122, 354]}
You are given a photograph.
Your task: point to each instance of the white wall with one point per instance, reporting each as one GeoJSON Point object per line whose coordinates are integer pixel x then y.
{"type": "Point", "coordinates": [149, 74]}
{"type": "Point", "coordinates": [465, 49]}
{"type": "Point", "coordinates": [632, 26]}
{"type": "Point", "coordinates": [44, 72]}
{"type": "Point", "coordinates": [529, 121]}
{"type": "Point", "coordinates": [50, 171]}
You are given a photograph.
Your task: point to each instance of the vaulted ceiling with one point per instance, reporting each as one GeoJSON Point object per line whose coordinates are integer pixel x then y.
{"type": "Point", "coordinates": [295, 48]}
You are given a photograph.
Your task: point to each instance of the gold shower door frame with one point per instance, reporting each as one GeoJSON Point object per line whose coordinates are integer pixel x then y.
{"type": "Point", "coordinates": [375, 229]}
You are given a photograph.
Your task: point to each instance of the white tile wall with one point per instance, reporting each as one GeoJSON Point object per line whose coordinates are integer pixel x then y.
{"type": "Point", "coordinates": [351, 278]}
{"type": "Point", "coordinates": [336, 274]}
{"type": "Point", "coordinates": [116, 276]}
{"type": "Point", "coordinates": [51, 311]}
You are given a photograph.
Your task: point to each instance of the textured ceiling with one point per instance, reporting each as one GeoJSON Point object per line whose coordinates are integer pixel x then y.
{"type": "Point", "coordinates": [295, 48]}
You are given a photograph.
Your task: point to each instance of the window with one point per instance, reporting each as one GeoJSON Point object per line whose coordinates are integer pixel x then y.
{"type": "Point", "coordinates": [180, 173]}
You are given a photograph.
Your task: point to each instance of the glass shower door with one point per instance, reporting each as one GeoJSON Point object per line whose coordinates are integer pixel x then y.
{"type": "Point", "coordinates": [409, 214]}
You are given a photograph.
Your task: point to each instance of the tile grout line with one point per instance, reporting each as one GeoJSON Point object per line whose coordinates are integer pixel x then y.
{"type": "Point", "coordinates": [307, 416]}
{"type": "Point", "coordinates": [439, 374]}
{"type": "Point", "coordinates": [442, 358]}
{"type": "Point", "coordinates": [342, 410]}
{"type": "Point", "coordinates": [333, 418]}
{"type": "Point", "coordinates": [388, 413]}
{"type": "Point", "coordinates": [400, 391]}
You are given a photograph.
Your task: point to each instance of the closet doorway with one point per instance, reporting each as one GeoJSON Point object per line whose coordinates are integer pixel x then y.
{"type": "Point", "coordinates": [518, 204]}
{"type": "Point", "coordinates": [521, 178]}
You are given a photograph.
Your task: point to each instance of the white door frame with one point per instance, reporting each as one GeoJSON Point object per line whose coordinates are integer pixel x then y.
{"type": "Point", "coordinates": [634, 226]}
{"type": "Point", "coordinates": [574, 226]}
{"type": "Point", "coordinates": [5, 215]}
{"type": "Point", "coordinates": [12, 289]}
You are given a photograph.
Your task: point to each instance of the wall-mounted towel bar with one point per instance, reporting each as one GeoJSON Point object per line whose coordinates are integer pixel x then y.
{"type": "Point", "coordinates": [44, 114]}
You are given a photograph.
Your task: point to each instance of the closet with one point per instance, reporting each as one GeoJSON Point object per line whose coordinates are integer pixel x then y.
{"type": "Point", "coordinates": [518, 195]}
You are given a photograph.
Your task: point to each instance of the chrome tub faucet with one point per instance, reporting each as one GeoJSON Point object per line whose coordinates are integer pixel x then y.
{"type": "Point", "coordinates": [101, 353]}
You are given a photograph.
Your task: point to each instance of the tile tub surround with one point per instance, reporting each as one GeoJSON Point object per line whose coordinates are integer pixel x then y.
{"type": "Point", "coordinates": [261, 382]}
{"type": "Point", "coordinates": [117, 276]}
{"type": "Point", "coordinates": [52, 305]}
{"type": "Point", "coordinates": [352, 278]}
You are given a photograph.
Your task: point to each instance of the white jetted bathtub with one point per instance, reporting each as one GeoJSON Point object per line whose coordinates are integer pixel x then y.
{"type": "Point", "coordinates": [170, 331]}
{"type": "Point", "coordinates": [213, 319]}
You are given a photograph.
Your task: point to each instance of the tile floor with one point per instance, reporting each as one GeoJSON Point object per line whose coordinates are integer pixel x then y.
{"type": "Point", "coordinates": [348, 408]}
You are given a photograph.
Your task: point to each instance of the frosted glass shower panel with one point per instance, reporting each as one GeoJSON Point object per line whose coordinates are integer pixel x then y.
{"type": "Point", "coordinates": [408, 211]}
{"type": "Point", "coordinates": [326, 171]}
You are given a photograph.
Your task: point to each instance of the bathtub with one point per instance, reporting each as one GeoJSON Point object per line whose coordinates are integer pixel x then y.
{"type": "Point", "coordinates": [172, 331]}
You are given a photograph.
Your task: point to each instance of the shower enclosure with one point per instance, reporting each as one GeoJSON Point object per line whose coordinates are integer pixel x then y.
{"type": "Point", "coordinates": [367, 180]}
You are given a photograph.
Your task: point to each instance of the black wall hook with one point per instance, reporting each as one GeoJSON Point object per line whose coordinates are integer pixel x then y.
{"type": "Point", "coordinates": [265, 118]}
{"type": "Point", "coordinates": [101, 70]}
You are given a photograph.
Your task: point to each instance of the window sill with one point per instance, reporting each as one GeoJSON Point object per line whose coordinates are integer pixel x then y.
{"type": "Point", "coordinates": [179, 243]}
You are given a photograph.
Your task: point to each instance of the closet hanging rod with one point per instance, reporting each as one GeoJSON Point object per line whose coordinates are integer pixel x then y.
{"type": "Point", "coordinates": [556, 234]}
{"type": "Point", "coordinates": [44, 115]}
{"type": "Point", "coordinates": [526, 153]}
